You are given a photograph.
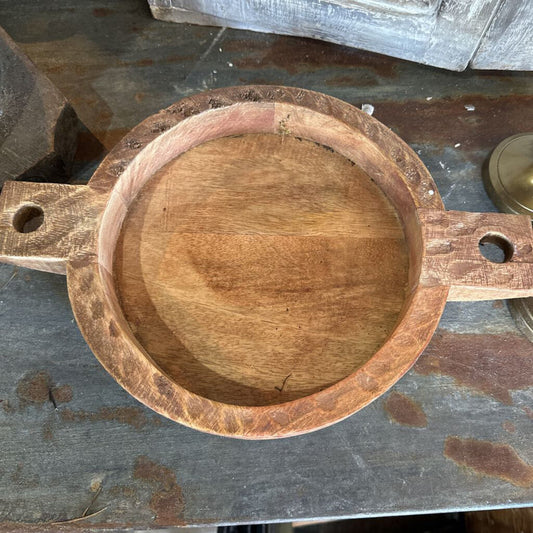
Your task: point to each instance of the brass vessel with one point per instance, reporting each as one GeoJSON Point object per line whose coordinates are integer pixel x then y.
{"type": "Point", "coordinates": [509, 182]}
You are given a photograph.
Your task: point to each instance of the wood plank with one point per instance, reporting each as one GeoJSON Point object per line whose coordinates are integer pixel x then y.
{"type": "Point", "coordinates": [444, 34]}
{"type": "Point", "coordinates": [508, 43]}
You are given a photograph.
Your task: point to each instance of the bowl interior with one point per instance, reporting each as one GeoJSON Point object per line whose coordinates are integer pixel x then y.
{"type": "Point", "coordinates": [260, 268]}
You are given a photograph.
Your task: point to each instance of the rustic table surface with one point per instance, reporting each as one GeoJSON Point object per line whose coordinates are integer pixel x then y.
{"type": "Point", "coordinates": [454, 433]}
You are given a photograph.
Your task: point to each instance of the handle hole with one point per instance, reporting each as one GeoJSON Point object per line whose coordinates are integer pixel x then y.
{"type": "Point", "coordinates": [28, 218]}
{"type": "Point", "coordinates": [496, 248]}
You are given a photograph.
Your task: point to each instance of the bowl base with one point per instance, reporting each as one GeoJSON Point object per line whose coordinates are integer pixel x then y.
{"type": "Point", "coordinates": [261, 268]}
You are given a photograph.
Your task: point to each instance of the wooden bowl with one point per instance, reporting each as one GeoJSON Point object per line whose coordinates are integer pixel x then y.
{"type": "Point", "coordinates": [260, 262]}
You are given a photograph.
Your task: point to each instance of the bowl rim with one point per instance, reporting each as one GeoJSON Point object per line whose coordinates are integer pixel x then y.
{"type": "Point", "coordinates": [253, 109]}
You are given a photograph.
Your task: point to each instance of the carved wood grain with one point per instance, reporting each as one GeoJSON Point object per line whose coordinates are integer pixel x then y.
{"type": "Point", "coordinates": [246, 268]}
{"type": "Point", "coordinates": [67, 230]}
{"type": "Point", "coordinates": [452, 256]}
{"type": "Point", "coordinates": [201, 227]}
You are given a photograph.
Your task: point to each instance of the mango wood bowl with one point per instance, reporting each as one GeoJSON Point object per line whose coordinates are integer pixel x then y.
{"type": "Point", "coordinates": [260, 262]}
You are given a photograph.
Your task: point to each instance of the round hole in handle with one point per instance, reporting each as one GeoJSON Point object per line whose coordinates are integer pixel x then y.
{"type": "Point", "coordinates": [28, 218]}
{"type": "Point", "coordinates": [496, 248]}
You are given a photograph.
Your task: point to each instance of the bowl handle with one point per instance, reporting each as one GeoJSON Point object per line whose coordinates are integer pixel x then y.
{"type": "Point", "coordinates": [451, 254]}
{"type": "Point", "coordinates": [44, 224]}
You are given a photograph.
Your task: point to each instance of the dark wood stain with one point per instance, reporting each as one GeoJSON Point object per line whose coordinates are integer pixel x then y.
{"type": "Point", "coordinates": [404, 410]}
{"type": "Point", "coordinates": [101, 12]}
{"type": "Point", "coordinates": [490, 459]}
{"type": "Point", "coordinates": [178, 58]}
{"type": "Point", "coordinates": [167, 500]}
{"type": "Point", "coordinates": [359, 79]}
{"type": "Point", "coordinates": [145, 62]}
{"type": "Point", "coordinates": [297, 54]}
{"type": "Point", "coordinates": [133, 416]}
{"type": "Point", "coordinates": [491, 364]}
{"type": "Point", "coordinates": [492, 120]}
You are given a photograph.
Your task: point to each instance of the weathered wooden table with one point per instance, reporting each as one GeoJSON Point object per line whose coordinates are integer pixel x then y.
{"type": "Point", "coordinates": [455, 433]}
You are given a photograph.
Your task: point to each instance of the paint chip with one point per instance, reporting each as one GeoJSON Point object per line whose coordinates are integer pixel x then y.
{"type": "Point", "coordinates": [457, 145]}
{"type": "Point", "coordinates": [470, 107]}
{"type": "Point", "coordinates": [368, 109]}
{"type": "Point", "coordinates": [230, 64]}
{"type": "Point", "coordinates": [428, 98]}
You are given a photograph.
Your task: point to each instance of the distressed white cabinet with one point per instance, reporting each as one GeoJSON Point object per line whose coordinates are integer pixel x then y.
{"type": "Point", "coordinates": [444, 33]}
{"type": "Point", "coordinates": [508, 43]}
